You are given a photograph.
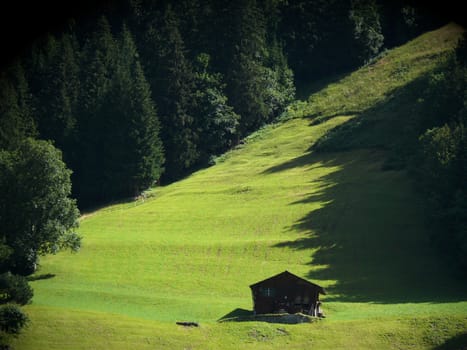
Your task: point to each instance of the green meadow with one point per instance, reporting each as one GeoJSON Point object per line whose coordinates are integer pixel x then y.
{"type": "Point", "coordinates": [190, 250]}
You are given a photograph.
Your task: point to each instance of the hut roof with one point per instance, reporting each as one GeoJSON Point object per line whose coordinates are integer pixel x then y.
{"type": "Point", "coordinates": [291, 276]}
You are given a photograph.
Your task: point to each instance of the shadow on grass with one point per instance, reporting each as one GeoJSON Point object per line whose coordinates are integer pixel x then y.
{"type": "Point", "coordinates": [237, 315]}
{"type": "Point", "coordinates": [242, 315]}
{"type": "Point", "coordinates": [369, 234]}
{"type": "Point", "coordinates": [305, 89]}
{"type": "Point", "coordinates": [44, 276]}
{"type": "Point", "coordinates": [308, 159]}
{"type": "Point", "coordinates": [459, 342]}
{"type": "Point", "coordinates": [385, 126]}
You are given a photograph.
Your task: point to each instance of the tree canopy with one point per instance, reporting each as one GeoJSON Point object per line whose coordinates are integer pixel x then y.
{"type": "Point", "coordinates": [37, 215]}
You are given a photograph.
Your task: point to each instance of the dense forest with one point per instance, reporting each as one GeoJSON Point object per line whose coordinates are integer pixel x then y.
{"type": "Point", "coordinates": [140, 92]}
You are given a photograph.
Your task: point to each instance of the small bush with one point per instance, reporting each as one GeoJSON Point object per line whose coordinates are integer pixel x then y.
{"type": "Point", "coordinates": [14, 288]}
{"type": "Point", "coordinates": [12, 319]}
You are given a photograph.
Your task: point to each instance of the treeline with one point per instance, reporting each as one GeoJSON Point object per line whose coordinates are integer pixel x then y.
{"type": "Point", "coordinates": [145, 90]}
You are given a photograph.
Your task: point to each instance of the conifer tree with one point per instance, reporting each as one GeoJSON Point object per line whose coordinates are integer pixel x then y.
{"type": "Point", "coordinates": [133, 154]}
{"type": "Point", "coordinates": [16, 120]}
{"type": "Point", "coordinates": [171, 78]}
{"type": "Point", "coordinates": [241, 50]}
{"type": "Point", "coordinates": [98, 69]}
{"type": "Point", "coordinates": [196, 26]}
{"type": "Point", "coordinates": [54, 76]}
{"type": "Point", "coordinates": [325, 37]}
{"type": "Point", "coordinates": [121, 153]}
{"type": "Point", "coordinates": [259, 83]}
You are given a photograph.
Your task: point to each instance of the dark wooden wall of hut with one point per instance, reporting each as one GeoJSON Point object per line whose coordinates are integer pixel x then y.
{"type": "Point", "coordinates": [286, 293]}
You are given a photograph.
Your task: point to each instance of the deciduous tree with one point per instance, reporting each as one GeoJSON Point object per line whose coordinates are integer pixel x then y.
{"type": "Point", "coordinates": [37, 215]}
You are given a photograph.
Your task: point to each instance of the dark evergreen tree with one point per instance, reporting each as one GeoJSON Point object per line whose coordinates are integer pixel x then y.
{"type": "Point", "coordinates": [16, 120]}
{"type": "Point", "coordinates": [172, 82]}
{"type": "Point", "coordinates": [120, 151]}
{"type": "Point", "coordinates": [328, 37]}
{"type": "Point", "coordinates": [240, 55]}
{"type": "Point", "coordinates": [98, 69]}
{"type": "Point", "coordinates": [132, 151]}
{"type": "Point", "coordinates": [55, 87]}
{"type": "Point", "coordinates": [249, 53]}
{"type": "Point", "coordinates": [461, 52]}
{"type": "Point", "coordinates": [402, 20]}
{"type": "Point", "coordinates": [196, 26]}
{"type": "Point", "coordinates": [303, 28]}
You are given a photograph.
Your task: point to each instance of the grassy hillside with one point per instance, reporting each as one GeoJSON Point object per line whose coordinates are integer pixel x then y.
{"type": "Point", "coordinates": [191, 249]}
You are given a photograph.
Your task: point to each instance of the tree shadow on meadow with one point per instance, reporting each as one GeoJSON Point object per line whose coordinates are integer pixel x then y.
{"type": "Point", "coordinates": [40, 277]}
{"type": "Point", "coordinates": [458, 342]}
{"type": "Point", "coordinates": [237, 315]}
{"type": "Point", "coordinates": [369, 234]}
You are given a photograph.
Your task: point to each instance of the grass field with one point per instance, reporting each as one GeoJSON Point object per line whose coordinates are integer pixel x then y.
{"type": "Point", "coordinates": [190, 251]}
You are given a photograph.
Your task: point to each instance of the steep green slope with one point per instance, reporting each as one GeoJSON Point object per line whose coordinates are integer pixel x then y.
{"type": "Point", "coordinates": [191, 249]}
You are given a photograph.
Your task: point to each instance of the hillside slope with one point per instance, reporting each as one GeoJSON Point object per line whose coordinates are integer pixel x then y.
{"type": "Point", "coordinates": [191, 249]}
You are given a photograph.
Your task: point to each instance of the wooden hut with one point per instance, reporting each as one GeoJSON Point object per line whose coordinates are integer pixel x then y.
{"type": "Point", "coordinates": [286, 292]}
